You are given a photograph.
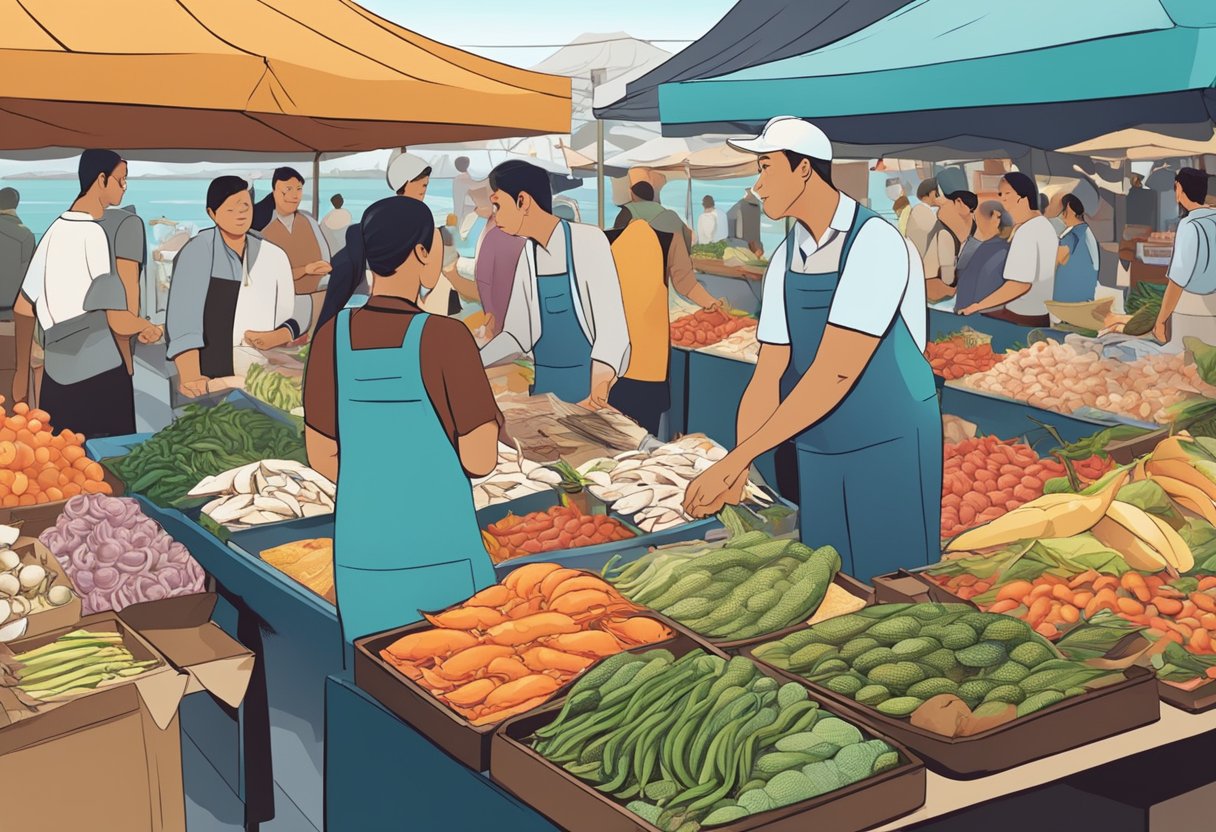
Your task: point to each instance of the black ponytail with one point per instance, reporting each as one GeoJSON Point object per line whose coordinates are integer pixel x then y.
{"type": "Point", "coordinates": [263, 209]}
{"type": "Point", "coordinates": [1072, 202]}
{"type": "Point", "coordinates": [388, 234]}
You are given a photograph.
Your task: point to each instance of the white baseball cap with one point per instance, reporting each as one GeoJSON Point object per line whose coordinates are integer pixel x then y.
{"type": "Point", "coordinates": [787, 133]}
{"type": "Point", "coordinates": [403, 169]}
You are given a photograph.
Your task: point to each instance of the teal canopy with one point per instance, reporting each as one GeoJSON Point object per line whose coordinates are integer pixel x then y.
{"type": "Point", "coordinates": [1042, 73]}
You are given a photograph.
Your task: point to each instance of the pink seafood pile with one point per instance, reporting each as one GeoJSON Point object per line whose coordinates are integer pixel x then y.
{"type": "Point", "coordinates": [1066, 377]}
{"type": "Point", "coordinates": [117, 556]}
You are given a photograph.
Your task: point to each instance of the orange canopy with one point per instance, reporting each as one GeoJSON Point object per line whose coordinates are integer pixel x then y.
{"type": "Point", "coordinates": [251, 75]}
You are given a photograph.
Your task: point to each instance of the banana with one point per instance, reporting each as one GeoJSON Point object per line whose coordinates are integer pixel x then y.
{"type": "Point", "coordinates": [1138, 554]}
{"type": "Point", "coordinates": [1179, 555]}
{"type": "Point", "coordinates": [1140, 523]}
{"type": "Point", "coordinates": [1188, 496]}
{"type": "Point", "coordinates": [1052, 515]}
{"type": "Point", "coordinates": [1023, 523]}
{"type": "Point", "coordinates": [1173, 448]}
{"type": "Point", "coordinates": [1178, 470]}
{"type": "Point", "coordinates": [1141, 470]}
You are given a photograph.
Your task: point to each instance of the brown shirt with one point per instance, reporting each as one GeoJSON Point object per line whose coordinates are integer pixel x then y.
{"type": "Point", "coordinates": [301, 246]}
{"type": "Point", "coordinates": [455, 381]}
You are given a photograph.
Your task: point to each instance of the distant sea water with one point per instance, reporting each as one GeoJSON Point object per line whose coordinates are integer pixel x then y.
{"type": "Point", "coordinates": [184, 200]}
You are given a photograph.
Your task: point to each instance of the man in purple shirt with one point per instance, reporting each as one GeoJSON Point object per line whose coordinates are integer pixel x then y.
{"type": "Point", "coordinates": [494, 269]}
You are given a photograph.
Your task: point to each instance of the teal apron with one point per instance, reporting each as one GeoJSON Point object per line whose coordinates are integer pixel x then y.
{"type": "Point", "coordinates": [870, 472]}
{"type": "Point", "coordinates": [406, 535]}
{"type": "Point", "coordinates": [562, 354]}
{"type": "Point", "coordinates": [1076, 280]}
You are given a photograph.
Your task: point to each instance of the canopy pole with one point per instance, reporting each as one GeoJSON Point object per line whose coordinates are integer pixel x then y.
{"type": "Point", "coordinates": [688, 202]}
{"type": "Point", "coordinates": [316, 185]}
{"type": "Point", "coordinates": [599, 170]}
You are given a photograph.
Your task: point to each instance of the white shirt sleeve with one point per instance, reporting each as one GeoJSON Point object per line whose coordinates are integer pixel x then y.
{"type": "Point", "coordinates": [97, 251]}
{"type": "Point", "coordinates": [874, 282]}
{"type": "Point", "coordinates": [1022, 262]}
{"type": "Point", "coordinates": [603, 306]}
{"type": "Point", "coordinates": [1182, 263]}
{"type": "Point", "coordinates": [35, 274]}
{"type": "Point", "coordinates": [516, 336]}
{"type": "Point", "coordinates": [773, 328]}
{"type": "Point", "coordinates": [1091, 243]}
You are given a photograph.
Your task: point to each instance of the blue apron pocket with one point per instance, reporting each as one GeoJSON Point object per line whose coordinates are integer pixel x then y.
{"type": "Point", "coordinates": [556, 306]}
{"type": "Point", "coordinates": [437, 585]}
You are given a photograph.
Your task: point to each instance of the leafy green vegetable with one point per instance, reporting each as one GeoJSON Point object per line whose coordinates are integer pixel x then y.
{"type": "Point", "coordinates": [1176, 664]}
{"type": "Point", "coordinates": [1205, 357]}
{"type": "Point", "coordinates": [1097, 637]}
{"type": "Point", "coordinates": [1145, 295]}
{"type": "Point", "coordinates": [710, 251]}
{"type": "Point", "coordinates": [1150, 497]}
{"type": "Point", "coordinates": [1097, 444]}
{"type": "Point", "coordinates": [1200, 536]}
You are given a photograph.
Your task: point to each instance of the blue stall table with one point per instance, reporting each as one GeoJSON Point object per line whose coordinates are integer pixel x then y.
{"type": "Point", "coordinates": [384, 775]}
{"type": "Point", "coordinates": [677, 377]}
{"type": "Point", "coordinates": [1007, 418]}
{"type": "Point", "coordinates": [715, 388]}
{"type": "Point", "coordinates": [943, 322]}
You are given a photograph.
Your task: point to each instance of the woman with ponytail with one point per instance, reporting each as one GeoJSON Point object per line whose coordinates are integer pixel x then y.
{"type": "Point", "coordinates": [399, 413]}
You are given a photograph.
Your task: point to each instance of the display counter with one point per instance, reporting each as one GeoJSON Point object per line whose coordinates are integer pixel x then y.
{"type": "Point", "coordinates": [944, 322]}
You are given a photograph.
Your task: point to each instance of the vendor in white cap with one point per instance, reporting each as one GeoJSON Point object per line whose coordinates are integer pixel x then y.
{"type": "Point", "coordinates": [841, 368]}
{"type": "Point", "coordinates": [408, 175]}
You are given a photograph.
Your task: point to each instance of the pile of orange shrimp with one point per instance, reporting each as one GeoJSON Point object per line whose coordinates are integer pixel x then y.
{"type": "Point", "coordinates": [510, 647]}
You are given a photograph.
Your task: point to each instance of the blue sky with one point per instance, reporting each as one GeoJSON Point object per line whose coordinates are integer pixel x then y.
{"type": "Point", "coordinates": [549, 21]}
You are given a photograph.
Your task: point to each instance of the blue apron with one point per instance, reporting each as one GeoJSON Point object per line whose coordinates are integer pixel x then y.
{"type": "Point", "coordinates": [1077, 279]}
{"type": "Point", "coordinates": [562, 354]}
{"type": "Point", "coordinates": [406, 535]}
{"type": "Point", "coordinates": [870, 472]}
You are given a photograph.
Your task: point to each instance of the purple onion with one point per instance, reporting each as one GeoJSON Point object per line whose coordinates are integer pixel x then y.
{"type": "Point", "coordinates": [118, 556]}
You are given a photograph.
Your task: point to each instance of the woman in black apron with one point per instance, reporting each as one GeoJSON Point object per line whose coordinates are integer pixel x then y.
{"type": "Point", "coordinates": [229, 285]}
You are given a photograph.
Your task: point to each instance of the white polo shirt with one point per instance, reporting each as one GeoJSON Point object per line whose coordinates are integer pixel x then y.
{"type": "Point", "coordinates": [884, 278]}
{"type": "Point", "coordinates": [1032, 259]}
{"type": "Point", "coordinates": [72, 253]}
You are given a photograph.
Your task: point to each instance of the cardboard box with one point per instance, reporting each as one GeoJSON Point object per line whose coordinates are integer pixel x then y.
{"type": "Point", "coordinates": [45, 619]}
{"type": "Point", "coordinates": [113, 754]}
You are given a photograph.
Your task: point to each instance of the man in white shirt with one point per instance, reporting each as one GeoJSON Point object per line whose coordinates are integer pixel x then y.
{"type": "Point", "coordinates": [841, 368]}
{"type": "Point", "coordinates": [707, 223]}
{"type": "Point", "coordinates": [712, 224]}
{"type": "Point", "coordinates": [565, 307]}
{"type": "Point", "coordinates": [923, 216]}
{"type": "Point", "coordinates": [1189, 305]}
{"type": "Point", "coordinates": [335, 223]}
{"type": "Point", "coordinates": [1030, 268]}
{"type": "Point", "coordinates": [78, 299]}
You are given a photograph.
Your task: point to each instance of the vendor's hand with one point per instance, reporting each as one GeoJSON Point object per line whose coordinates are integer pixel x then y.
{"type": "Point", "coordinates": [720, 305]}
{"type": "Point", "coordinates": [267, 340]}
{"type": "Point", "coordinates": [151, 334]}
{"type": "Point", "coordinates": [193, 389]}
{"type": "Point", "coordinates": [969, 310]}
{"type": "Point", "coordinates": [721, 484]}
{"type": "Point", "coordinates": [1159, 331]}
{"type": "Point", "coordinates": [320, 267]}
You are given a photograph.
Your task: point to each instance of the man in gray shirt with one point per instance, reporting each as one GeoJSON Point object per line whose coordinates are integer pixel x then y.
{"type": "Point", "coordinates": [16, 248]}
{"type": "Point", "coordinates": [128, 254]}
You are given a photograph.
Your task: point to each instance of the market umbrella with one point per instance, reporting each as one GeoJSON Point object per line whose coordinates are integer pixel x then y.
{"type": "Point", "coordinates": [270, 76]}
{"type": "Point", "coordinates": [753, 32]}
{"type": "Point", "coordinates": [1040, 73]}
{"type": "Point", "coordinates": [1142, 145]}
